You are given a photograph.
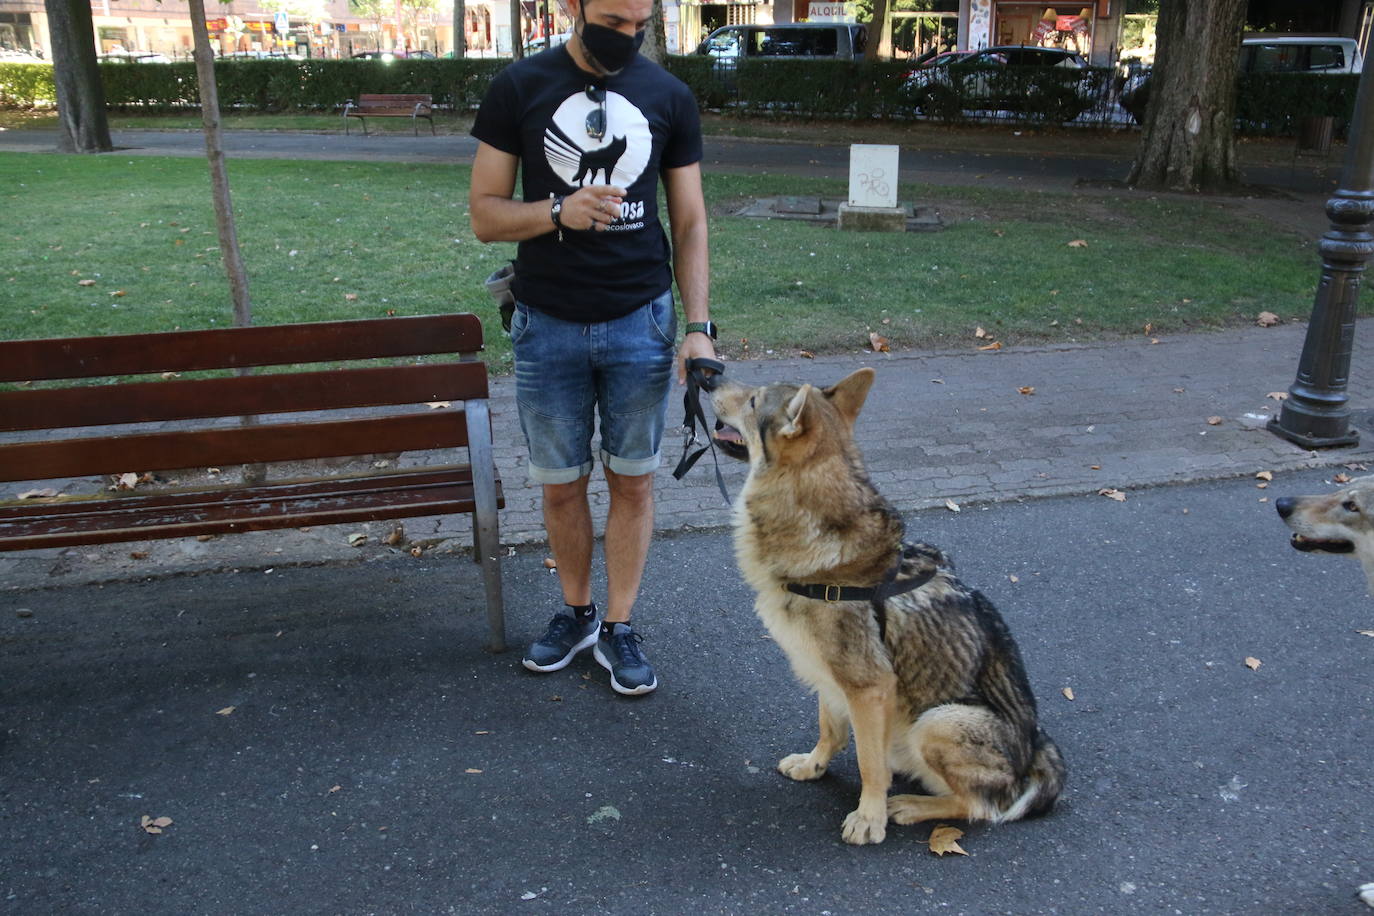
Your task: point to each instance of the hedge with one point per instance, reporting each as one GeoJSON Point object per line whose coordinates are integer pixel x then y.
{"type": "Point", "coordinates": [1271, 103]}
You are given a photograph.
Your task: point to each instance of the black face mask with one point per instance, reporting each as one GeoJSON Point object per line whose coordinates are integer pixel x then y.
{"type": "Point", "coordinates": [610, 50]}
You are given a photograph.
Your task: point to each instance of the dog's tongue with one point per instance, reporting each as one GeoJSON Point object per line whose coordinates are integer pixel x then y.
{"type": "Point", "coordinates": [727, 433]}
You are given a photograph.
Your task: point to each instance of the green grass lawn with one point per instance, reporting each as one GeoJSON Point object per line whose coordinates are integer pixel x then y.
{"type": "Point", "coordinates": [330, 240]}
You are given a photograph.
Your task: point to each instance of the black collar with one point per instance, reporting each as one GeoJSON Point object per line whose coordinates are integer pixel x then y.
{"type": "Point", "coordinates": [876, 595]}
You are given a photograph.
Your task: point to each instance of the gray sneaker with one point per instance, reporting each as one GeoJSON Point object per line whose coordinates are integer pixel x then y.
{"type": "Point", "coordinates": [564, 638]}
{"type": "Point", "coordinates": [618, 652]}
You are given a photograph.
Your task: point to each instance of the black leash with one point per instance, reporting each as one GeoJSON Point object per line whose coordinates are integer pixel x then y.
{"type": "Point", "coordinates": [877, 595]}
{"type": "Point", "coordinates": [699, 380]}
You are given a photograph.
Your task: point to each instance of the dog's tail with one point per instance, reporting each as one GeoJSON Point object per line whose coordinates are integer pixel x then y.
{"type": "Point", "coordinates": [1044, 782]}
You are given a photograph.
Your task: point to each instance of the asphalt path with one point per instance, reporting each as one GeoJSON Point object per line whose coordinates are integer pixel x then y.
{"type": "Point", "coordinates": [334, 740]}
{"type": "Point", "coordinates": [1059, 172]}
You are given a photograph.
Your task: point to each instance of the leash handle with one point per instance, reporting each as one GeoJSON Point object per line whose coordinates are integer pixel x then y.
{"type": "Point", "coordinates": [697, 380]}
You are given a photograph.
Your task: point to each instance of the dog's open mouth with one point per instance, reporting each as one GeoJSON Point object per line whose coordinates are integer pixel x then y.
{"type": "Point", "coordinates": [729, 441]}
{"type": "Point", "coordinates": [1322, 545]}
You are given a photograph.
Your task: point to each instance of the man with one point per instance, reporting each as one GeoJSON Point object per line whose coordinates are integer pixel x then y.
{"type": "Point", "coordinates": [590, 126]}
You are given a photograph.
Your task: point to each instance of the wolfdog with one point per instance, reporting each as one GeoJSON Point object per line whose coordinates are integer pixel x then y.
{"type": "Point", "coordinates": [1336, 522]}
{"type": "Point", "coordinates": [1339, 522]}
{"type": "Point", "coordinates": [921, 666]}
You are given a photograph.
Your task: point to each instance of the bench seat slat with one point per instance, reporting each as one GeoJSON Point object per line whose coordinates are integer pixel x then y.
{"type": "Point", "coordinates": [200, 448]}
{"type": "Point", "coordinates": [232, 348]}
{"type": "Point", "coordinates": [101, 520]}
{"type": "Point", "coordinates": [144, 402]}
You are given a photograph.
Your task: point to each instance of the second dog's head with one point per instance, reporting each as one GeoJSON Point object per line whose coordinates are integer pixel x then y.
{"type": "Point", "coordinates": [781, 423]}
{"type": "Point", "coordinates": [1339, 522]}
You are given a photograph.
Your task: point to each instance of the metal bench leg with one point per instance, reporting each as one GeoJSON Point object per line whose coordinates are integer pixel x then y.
{"type": "Point", "coordinates": [484, 519]}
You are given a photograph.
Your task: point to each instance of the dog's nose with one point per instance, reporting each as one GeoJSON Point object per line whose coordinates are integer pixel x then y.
{"type": "Point", "coordinates": [1285, 505]}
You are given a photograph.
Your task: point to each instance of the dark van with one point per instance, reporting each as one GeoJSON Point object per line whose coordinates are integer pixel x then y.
{"type": "Point", "coordinates": [826, 40]}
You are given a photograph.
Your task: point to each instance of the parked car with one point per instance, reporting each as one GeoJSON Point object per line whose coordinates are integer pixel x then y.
{"type": "Point", "coordinates": [843, 40]}
{"type": "Point", "coordinates": [540, 43]}
{"type": "Point", "coordinates": [1280, 54]}
{"type": "Point", "coordinates": [134, 57]}
{"type": "Point", "coordinates": [1004, 78]}
{"type": "Point", "coordinates": [389, 56]}
{"type": "Point", "coordinates": [13, 56]}
{"type": "Point", "coordinates": [941, 59]}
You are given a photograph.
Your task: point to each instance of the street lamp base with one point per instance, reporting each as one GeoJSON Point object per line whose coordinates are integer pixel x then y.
{"type": "Point", "coordinates": [1349, 437]}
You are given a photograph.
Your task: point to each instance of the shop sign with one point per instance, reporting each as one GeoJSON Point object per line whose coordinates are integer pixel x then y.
{"type": "Point", "coordinates": [822, 11]}
{"type": "Point", "coordinates": [216, 25]}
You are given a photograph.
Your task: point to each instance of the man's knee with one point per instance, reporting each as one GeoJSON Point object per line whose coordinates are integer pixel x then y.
{"type": "Point", "coordinates": [560, 495]}
{"type": "Point", "coordinates": [638, 488]}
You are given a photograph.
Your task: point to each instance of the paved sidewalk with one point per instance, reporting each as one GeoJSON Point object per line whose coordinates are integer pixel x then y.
{"type": "Point", "coordinates": [948, 425]}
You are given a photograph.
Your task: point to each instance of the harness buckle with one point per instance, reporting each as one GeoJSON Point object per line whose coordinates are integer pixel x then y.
{"type": "Point", "coordinates": [832, 593]}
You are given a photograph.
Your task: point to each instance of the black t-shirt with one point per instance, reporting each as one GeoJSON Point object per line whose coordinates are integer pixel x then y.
{"type": "Point", "coordinates": [538, 109]}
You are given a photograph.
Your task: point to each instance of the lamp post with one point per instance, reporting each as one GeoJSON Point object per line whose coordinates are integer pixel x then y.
{"type": "Point", "coordinates": [1316, 414]}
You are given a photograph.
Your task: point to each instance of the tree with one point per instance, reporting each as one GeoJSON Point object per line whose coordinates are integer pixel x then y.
{"type": "Point", "coordinates": [83, 127]}
{"type": "Point", "coordinates": [655, 46]}
{"type": "Point", "coordinates": [1187, 142]}
{"type": "Point", "coordinates": [517, 33]}
{"type": "Point", "coordinates": [460, 28]}
{"type": "Point", "coordinates": [879, 32]}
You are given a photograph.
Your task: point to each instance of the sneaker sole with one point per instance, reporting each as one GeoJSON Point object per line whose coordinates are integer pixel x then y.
{"type": "Point", "coordinates": [586, 642]}
{"type": "Point", "coordinates": [615, 685]}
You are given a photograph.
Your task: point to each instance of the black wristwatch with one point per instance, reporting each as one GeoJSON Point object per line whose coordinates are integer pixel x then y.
{"type": "Point", "coordinates": [701, 327]}
{"type": "Point", "coordinates": [556, 211]}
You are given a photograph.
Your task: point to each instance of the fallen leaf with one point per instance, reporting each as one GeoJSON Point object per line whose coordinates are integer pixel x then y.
{"type": "Point", "coordinates": [226, 711]}
{"type": "Point", "coordinates": [1278, 395]}
{"type": "Point", "coordinates": [1267, 319]}
{"type": "Point", "coordinates": [1261, 486]}
{"type": "Point", "coordinates": [44, 493]}
{"type": "Point", "coordinates": [1365, 632]}
{"type": "Point", "coordinates": [417, 551]}
{"type": "Point", "coordinates": [482, 731]}
{"type": "Point", "coordinates": [979, 333]}
{"type": "Point", "coordinates": [878, 342]}
{"type": "Point", "coordinates": [1078, 243]}
{"type": "Point", "coordinates": [1265, 475]}
{"type": "Point", "coordinates": [472, 770]}
{"type": "Point", "coordinates": [944, 839]}
{"type": "Point", "coordinates": [995, 345]}
{"type": "Point", "coordinates": [350, 297]}
{"type": "Point", "coordinates": [1112, 494]}
{"type": "Point", "coordinates": [1095, 467]}
{"type": "Point", "coordinates": [1252, 663]}
{"type": "Point", "coordinates": [1026, 389]}
{"type": "Point", "coordinates": [154, 824]}
{"type": "Point", "coordinates": [1068, 693]}
{"type": "Point", "coordinates": [1214, 421]}
{"type": "Point", "coordinates": [1013, 579]}
{"type": "Point", "coordinates": [126, 481]}
{"type": "Point", "coordinates": [395, 536]}
{"type": "Point", "coordinates": [951, 505]}
{"type": "Point", "coordinates": [1340, 477]}
{"type": "Point", "coordinates": [85, 283]}
{"type": "Point", "coordinates": [206, 537]}
{"type": "Point", "coordinates": [1179, 390]}
{"type": "Point", "coordinates": [357, 540]}
{"type": "Point", "coordinates": [806, 354]}
{"type": "Point", "coordinates": [138, 555]}
{"type": "Point", "coordinates": [333, 789]}
{"type": "Point", "coordinates": [1149, 328]}
{"type": "Point", "coordinates": [117, 293]}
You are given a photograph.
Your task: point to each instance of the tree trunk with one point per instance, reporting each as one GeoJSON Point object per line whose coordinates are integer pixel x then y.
{"type": "Point", "coordinates": [1188, 140]}
{"type": "Point", "coordinates": [460, 29]}
{"type": "Point", "coordinates": [219, 175]}
{"type": "Point", "coordinates": [517, 33]}
{"type": "Point", "coordinates": [879, 32]}
{"type": "Point", "coordinates": [83, 127]}
{"type": "Point", "coordinates": [655, 47]}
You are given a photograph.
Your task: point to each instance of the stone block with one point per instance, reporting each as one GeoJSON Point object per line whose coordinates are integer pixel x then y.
{"type": "Point", "coordinates": [872, 219]}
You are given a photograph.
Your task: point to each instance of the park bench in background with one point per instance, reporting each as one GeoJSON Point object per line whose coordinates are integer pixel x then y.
{"type": "Point", "coordinates": [166, 423]}
{"type": "Point", "coordinates": [391, 106]}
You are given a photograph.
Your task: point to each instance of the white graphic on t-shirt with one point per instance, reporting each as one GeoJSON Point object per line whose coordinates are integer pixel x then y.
{"type": "Point", "coordinates": [618, 157]}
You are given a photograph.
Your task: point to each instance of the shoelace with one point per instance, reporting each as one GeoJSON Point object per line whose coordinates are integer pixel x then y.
{"type": "Point", "coordinates": [626, 647]}
{"type": "Point", "coordinates": [561, 627]}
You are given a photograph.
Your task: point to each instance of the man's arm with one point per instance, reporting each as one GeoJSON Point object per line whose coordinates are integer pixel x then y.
{"type": "Point", "coordinates": [691, 262]}
{"type": "Point", "coordinates": [496, 217]}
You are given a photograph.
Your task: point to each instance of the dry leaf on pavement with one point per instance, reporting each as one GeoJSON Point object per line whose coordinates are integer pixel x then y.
{"type": "Point", "coordinates": [1365, 632]}
{"type": "Point", "coordinates": [1111, 493]}
{"type": "Point", "coordinates": [1215, 421]}
{"type": "Point", "coordinates": [951, 505]}
{"type": "Point", "coordinates": [1267, 319]}
{"type": "Point", "coordinates": [1340, 477]}
{"type": "Point", "coordinates": [154, 824]}
{"type": "Point", "coordinates": [1026, 389]}
{"type": "Point", "coordinates": [995, 345]}
{"type": "Point", "coordinates": [1252, 663]}
{"type": "Point", "coordinates": [878, 342]}
{"type": "Point", "coordinates": [1265, 475]}
{"type": "Point", "coordinates": [979, 333]}
{"type": "Point", "coordinates": [945, 839]}
{"type": "Point", "coordinates": [44, 493]}
{"type": "Point", "coordinates": [226, 711]}
{"type": "Point", "coordinates": [1278, 395]}
{"type": "Point", "coordinates": [806, 354]}
{"type": "Point", "coordinates": [1068, 693]}
{"type": "Point", "coordinates": [357, 539]}
{"type": "Point", "coordinates": [85, 283]}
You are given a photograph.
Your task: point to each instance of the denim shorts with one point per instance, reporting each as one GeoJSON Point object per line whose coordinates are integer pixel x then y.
{"type": "Point", "coordinates": [570, 374]}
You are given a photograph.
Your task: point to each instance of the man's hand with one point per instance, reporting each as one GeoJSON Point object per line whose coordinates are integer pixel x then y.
{"type": "Point", "coordinates": [593, 207]}
{"type": "Point", "coordinates": [694, 346]}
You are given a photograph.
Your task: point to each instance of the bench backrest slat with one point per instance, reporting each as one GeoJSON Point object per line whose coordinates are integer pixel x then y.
{"type": "Point", "coordinates": [231, 445]}
{"type": "Point", "coordinates": [230, 348]}
{"type": "Point", "coordinates": [387, 100]}
{"type": "Point", "coordinates": [185, 399]}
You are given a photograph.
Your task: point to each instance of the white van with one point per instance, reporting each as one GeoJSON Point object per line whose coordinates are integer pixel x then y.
{"type": "Point", "coordinates": [1300, 55]}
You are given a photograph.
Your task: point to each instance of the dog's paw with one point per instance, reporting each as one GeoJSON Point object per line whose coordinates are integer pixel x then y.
{"type": "Point", "coordinates": [800, 767]}
{"type": "Point", "coordinates": [861, 830]}
{"type": "Point", "coordinates": [907, 809]}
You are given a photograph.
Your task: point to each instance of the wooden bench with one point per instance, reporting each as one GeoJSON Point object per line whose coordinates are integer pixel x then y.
{"type": "Point", "coordinates": [391, 106]}
{"type": "Point", "coordinates": [164, 423]}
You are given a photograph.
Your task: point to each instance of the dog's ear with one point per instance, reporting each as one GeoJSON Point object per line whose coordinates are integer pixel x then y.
{"type": "Point", "coordinates": [848, 394]}
{"type": "Point", "coordinates": [794, 414]}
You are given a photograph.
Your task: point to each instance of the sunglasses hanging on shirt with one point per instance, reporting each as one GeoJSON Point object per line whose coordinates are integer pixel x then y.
{"type": "Point", "coordinates": [596, 118]}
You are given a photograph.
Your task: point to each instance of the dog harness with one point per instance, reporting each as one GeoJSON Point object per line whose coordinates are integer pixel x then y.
{"type": "Point", "coordinates": [876, 595]}
{"type": "Point", "coordinates": [697, 381]}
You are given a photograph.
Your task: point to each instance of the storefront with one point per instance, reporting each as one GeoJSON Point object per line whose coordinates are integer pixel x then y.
{"type": "Point", "coordinates": [1015, 22]}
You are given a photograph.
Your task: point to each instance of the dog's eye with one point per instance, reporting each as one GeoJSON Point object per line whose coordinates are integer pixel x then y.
{"type": "Point", "coordinates": [751, 402]}
{"type": "Point", "coordinates": [1350, 506]}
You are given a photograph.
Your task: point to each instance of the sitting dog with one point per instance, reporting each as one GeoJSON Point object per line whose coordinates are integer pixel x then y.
{"type": "Point", "coordinates": [922, 667]}
{"type": "Point", "coordinates": [1337, 522]}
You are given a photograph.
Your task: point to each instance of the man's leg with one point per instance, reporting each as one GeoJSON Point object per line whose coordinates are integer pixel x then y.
{"type": "Point", "coordinates": [568, 523]}
{"type": "Point", "coordinates": [629, 528]}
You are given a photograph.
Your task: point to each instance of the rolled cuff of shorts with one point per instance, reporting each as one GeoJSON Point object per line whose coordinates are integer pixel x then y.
{"type": "Point", "coordinates": [630, 467]}
{"type": "Point", "coordinates": [559, 475]}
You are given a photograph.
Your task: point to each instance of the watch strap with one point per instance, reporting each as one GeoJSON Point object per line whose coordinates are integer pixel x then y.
{"type": "Point", "coordinates": [556, 210]}
{"type": "Point", "coordinates": [704, 327]}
